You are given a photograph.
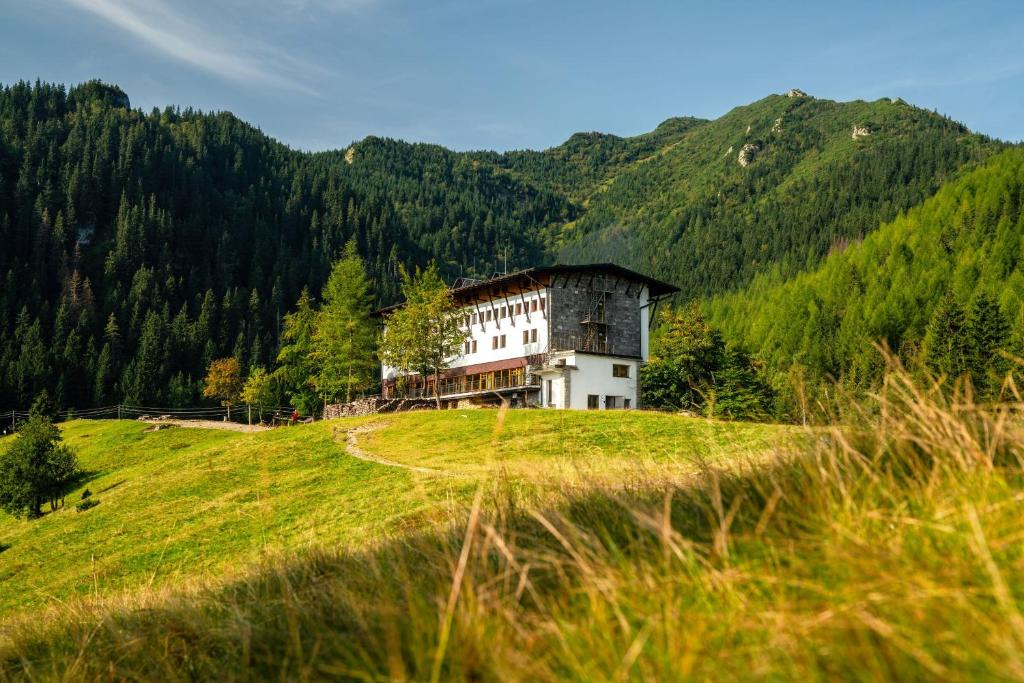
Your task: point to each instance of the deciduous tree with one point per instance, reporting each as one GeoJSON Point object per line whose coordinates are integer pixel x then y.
{"type": "Point", "coordinates": [224, 382]}
{"type": "Point", "coordinates": [426, 332]}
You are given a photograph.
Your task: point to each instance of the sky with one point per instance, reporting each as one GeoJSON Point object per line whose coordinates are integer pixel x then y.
{"type": "Point", "coordinates": [519, 74]}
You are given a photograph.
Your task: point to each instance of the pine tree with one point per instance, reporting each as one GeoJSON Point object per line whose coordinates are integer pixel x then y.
{"type": "Point", "coordinates": [989, 334]}
{"type": "Point", "coordinates": [947, 343]}
{"type": "Point", "coordinates": [345, 336]}
{"type": "Point", "coordinates": [295, 367]}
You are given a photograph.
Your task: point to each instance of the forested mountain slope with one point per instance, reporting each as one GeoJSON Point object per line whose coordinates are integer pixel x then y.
{"type": "Point", "coordinates": [914, 284]}
{"type": "Point", "coordinates": [139, 246]}
{"type": "Point", "coordinates": [773, 184]}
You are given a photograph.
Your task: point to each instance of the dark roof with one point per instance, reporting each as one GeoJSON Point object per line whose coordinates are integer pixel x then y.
{"type": "Point", "coordinates": [657, 288]}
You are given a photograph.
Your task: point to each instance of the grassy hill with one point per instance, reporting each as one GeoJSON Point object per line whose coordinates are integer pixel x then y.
{"type": "Point", "coordinates": [183, 504]}
{"type": "Point", "coordinates": [888, 550]}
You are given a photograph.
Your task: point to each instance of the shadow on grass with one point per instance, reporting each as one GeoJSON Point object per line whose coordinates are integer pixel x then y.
{"type": "Point", "coordinates": [112, 486]}
{"type": "Point", "coordinates": [361, 612]}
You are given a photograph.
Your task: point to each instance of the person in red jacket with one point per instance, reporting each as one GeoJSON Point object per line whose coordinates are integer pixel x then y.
{"type": "Point", "coordinates": [295, 415]}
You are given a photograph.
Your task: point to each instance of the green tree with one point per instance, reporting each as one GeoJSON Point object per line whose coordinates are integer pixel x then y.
{"type": "Point", "coordinates": [989, 333]}
{"type": "Point", "coordinates": [345, 335]}
{"type": "Point", "coordinates": [947, 342]}
{"type": "Point", "coordinates": [295, 365]}
{"type": "Point", "coordinates": [737, 391]}
{"type": "Point", "coordinates": [685, 353]}
{"type": "Point", "coordinates": [224, 381]}
{"type": "Point", "coordinates": [258, 390]}
{"type": "Point", "coordinates": [36, 468]}
{"type": "Point", "coordinates": [426, 332]}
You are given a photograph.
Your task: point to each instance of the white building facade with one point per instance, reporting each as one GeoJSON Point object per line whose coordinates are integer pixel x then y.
{"type": "Point", "coordinates": [556, 337]}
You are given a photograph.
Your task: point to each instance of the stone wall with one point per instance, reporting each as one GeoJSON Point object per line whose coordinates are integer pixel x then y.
{"type": "Point", "coordinates": [570, 301]}
{"type": "Point", "coordinates": [373, 406]}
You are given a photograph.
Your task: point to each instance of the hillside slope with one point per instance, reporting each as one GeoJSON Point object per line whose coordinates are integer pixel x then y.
{"type": "Point", "coordinates": [179, 505]}
{"type": "Point", "coordinates": [964, 241]}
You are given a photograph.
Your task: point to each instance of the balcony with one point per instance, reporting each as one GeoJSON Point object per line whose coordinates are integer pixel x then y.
{"type": "Point", "coordinates": [498, 381]}
{"type": "Point", "coordinates": [584, 343]}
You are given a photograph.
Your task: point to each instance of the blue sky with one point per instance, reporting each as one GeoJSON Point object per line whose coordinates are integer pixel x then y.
{"type": "Point", "coordinates": [507, 74]}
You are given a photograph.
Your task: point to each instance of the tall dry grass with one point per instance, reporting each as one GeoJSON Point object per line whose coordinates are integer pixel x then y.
{"type": "Point", "coordinates": [889, 549]}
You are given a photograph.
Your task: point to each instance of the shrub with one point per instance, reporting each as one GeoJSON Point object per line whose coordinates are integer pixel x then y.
{"type": "Point", "coordinates": [86, 504]}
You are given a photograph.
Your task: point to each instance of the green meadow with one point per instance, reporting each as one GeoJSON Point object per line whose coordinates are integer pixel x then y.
{"type": "Point", "coordinates": [183, 504]}
{"type": "Point", "coordinates": [886, 549]}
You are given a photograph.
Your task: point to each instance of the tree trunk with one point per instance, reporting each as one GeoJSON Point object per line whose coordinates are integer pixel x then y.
{"type": "Point", "coordinates": [437, 387]}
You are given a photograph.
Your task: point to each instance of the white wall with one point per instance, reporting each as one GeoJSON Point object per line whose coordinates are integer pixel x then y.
{"type": "Point", "coordinates": [645, 324]}
{"type": "Point", "coordinates": [512, 328]}
{"type": "Point", "coordinates": [594, 376]}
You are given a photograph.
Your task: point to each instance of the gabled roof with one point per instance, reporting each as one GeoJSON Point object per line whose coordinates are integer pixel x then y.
{"type": "Point", "coordinates": [656, 287]}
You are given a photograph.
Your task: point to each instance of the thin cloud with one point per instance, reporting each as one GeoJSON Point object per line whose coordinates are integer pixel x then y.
{"type": "Point", "coordinates": [161, 29]}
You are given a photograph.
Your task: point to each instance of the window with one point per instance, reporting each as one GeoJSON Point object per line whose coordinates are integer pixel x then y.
{"type": "Point", "coordinates": [475, 318]}
{"type": "Point", "coordinates": [620, 370]}
{"type": "Point", "coordinates": [488, 315]}
{"type": "Point", "coordinates": [533, 335]}
{"type": "Point", "coordinates": [466, 348]}
{"type": "Point", "coordinates": [472, 348]}
{"type": "Point", "coordinates": [533, 305]}
{"type": "Point", "coordinates": [611, 402]}
{"type": "Point", "coordinates": [501, 343]}
{"type": "Point", "coordinates": [592, 400]}
{"type": "Point", "coordinates": [502, 311]}
{"type": "Point", "coordinates": [494, 343]}
{"type": "Point", "coordinates": [547, 392]}
{"type": "Point", "coordinates": [626, 403]}
{"type": "Point", "coordinates": [526, 336]}
{"type": "Point", "coordinates": [519, 309]}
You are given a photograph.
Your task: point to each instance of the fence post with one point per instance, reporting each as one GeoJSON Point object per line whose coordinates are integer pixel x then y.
{"type": "Point", "coordinates": [250, 412]}
{"type": "Point", "coordinates": [118, 411]}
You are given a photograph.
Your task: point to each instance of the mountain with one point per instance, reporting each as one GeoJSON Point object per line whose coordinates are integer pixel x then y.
{"type": "Point", "coordinates": [959, 247]}
{"type": "Point", "coordinates": [775, 184]}
{"type": "Point", "coordinates": [138, 246]}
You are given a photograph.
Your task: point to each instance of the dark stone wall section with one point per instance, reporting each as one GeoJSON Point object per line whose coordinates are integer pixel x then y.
{"type": "Point", "coordinates": [571, 301]}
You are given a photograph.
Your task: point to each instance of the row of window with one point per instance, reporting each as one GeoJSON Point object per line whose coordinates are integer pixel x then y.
{"type": "Point", "coordinates": [505, 311]}
{"type": "Point", "coordinates": [499, 341]}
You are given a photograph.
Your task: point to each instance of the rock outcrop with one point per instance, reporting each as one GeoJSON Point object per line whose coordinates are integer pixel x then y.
{"type": "Point", "coordinates": [350, 155]}
{"type": "Point", "coordinates": [777, 126]}
{"type": "Point", "coordinates": [796, 92]}
{"type": "Point", "coordinates": [860, 132]}
{"type": "Point", "coordinates": [747, 154]}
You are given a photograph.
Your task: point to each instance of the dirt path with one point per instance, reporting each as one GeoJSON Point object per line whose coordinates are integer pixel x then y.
{"type": "Point", "coordinates": [210, 424]}
{"type": "Point", "coordinates": [355, 450]}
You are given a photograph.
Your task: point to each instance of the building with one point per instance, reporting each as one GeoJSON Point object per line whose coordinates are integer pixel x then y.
{"type": "Point", "coordinates": [557, 336]}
